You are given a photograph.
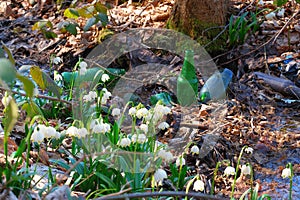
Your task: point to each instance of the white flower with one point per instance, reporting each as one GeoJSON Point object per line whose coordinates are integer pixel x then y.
{"type": "Point", "coordinates": [37, 135]}
{"type": "Point", "coordinates": [101, 128]}
{"type": "Point", "coordinates": [246, 170]}
{"type": "Point", "coordinates": [165, 155]}
{"type": "Point", "coordinates": [141, 113]}
{"type": "Point", "coordinates": [83, 66]}
{"type": "Point", "coordinates": [141, 138]}
{"type": "Point", "coordinates": [57, 60]}
{"type": "Point", "coordinates": [198, 185]}
{"type": "Point", "coordinates": [105, 96]}
{"type": "Point", "coordinates": [104, 78]}
{"type": "Point", "coordinates": [132, 111]}
{"type": "Point", "coordinates": [286, 173]}
{"type": "Point", "coordinates": [90, 97]}
{"type": "Point", "coordinates": [6, 99]}
{"type": "Point", "coordinates": [144, 128]}
{"type": "Point", "coordinates": [72, 131]}
{"type": "Point", "coordinates": [180, 161]}
{"type": "Point", "coordinates": [57, 77]}
{"type": "Point", "coordinates": [163, 125]}
{"type": "Point", "coordinates": [82, 132]}
{"type": "Point", "coordinates": [270, 16]}
{"type": "Point", "coordinates": [249, 150]}
{"type": "Point", "coordinates": [50, 132]}
{"type": "Point", "coordinates": [229, 171]}
{"type": "Point", "coordinates": [124, 142]}
{"type": "Point", "coordinates": [116, 112]}
{"type": "Point", "coordinates": [195, 149]}
{"type": "Point", "coordinates": [159, 176]}
{"type": "Point", "coordinates": [1, 129]}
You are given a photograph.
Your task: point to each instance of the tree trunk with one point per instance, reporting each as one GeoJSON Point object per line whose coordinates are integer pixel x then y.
{"type": "Point", "coordinates": [199, 19]}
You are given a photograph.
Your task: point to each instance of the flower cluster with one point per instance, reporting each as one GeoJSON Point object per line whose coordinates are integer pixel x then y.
{"type": "Point", "coordinates": [105, 96]}
{"type": "Point", "coordinates": [90, 97]}
{"type": "Point", "coordinates": [98, 126]}
{"type": "Point", "coordinates": [165, 155]}
{"type": "Point", "coordinates": [42, 132]}
{"type": "Point", "coordinates": [77, 132]}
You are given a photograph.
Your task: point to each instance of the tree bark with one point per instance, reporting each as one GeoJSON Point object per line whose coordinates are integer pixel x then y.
{"type": "Point", "coordinates": [199, 18]}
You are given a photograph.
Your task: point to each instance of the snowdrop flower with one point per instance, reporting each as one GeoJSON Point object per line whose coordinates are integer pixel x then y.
{"type": "Point", "coordinates": [6, 99]}
{"type": "Point", "coordinates": [144, 128]}
{"type": "Point", "coordinates": [198, 186]}
{"type": "Point", "coordinates": [72, 131]}
{"type": "Point", "coordinates": [83, 66]}
{"type": "Point", "coordinates": [82, 132]}
{"type": "Point", "coordinates": [141, 113]}
{"type": "Point", "coordinates": [101, 128]}
{"type": "Point", "coordinates": [270, 16]}
{"type": "Point", "coordinates": [229, 171]}
{"type": "Point", "coordinates": [132, 111]}
{"type": "Point", "coordinates": [180, 161]}
{"type": "Point", "coordinates": [50, 132]}
{"type": "Point", "coordinates": [105, 96]}
{"type": "Point", "coordinates": [246, 170]}
{"type": "Point", "coordinates": [116, 112]}
{"type": "Point", "coordinates": [57, 77]}
{"type": "Point", "coordinates": [57, 60]}
{"type": "Point", "coordinates": [165, 155]}
{"type": "Point", "coordinates": [163, 125]}
{"type": "Point", "coordinates": [124, 142]}
{"type": "Point", "coordinates": [195, 150]}
{"type": "Point", "coordinates": [286, 173]}
{"type": "Point", "coordinates": [104, 78]}
{"type": "Point", "coordinates": [38, 134]}
{"type": "Point", "coordinates": [163, 110]}
{"type": "Point", "coordinates": [249, 150]}
{"type": "Point", "coordinates": [141, 138]}
{"type": "Point", "coordinates": [90, 97]}
{"type": "Point", "coordinates": [159, 176]}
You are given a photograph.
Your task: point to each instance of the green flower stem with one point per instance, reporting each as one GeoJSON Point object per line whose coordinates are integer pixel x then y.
{"type": "Point", "coordinates": [291, 180]}
{"type": "Point", "coordinates": [213, 180]}
{"type": "Point", "coordinates": [251, 181]}
{"type": "Point", "coordinates": [236, 172]}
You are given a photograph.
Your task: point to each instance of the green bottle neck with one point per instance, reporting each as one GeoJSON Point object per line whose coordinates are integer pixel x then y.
{"type": "Point", "coordinates": [188, 69]}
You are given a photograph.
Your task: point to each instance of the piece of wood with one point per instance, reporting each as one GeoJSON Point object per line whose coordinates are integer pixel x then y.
{"type": "Point", "coordinates": [281, 85]}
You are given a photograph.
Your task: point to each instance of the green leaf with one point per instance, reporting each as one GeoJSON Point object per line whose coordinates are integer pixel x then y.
{"type": "Point", "coordinates": [49, 34]}
{"type": "Point", "coordinates": [103, 18]}
{"type": "Point", "coordinates": [8, 52]}
{"type": "Point", "coordinates": [32, 109]}
{"type": "Point", "coordinates": [2, 55]}
{"type": "Point", "coordinates": [101, 8]}
{"type": "Point", "coordinates": [71, 13]}
{"type": "Point", "coordinates": [7, 71]}
{"type": "Point", "coordinates": [90, 22]}
{"type": "Point", "coordinates": [280, 3]}
{"type": "Point", "coordinates": [86, 11]}
{"type": "Point", "coordinates": [11, 116]}
{"type": "Point", "coordinates": [44, 81]}
{"type": "Point", "coordinates": [41, 24]}
{"type": "Point", "coordinates": [298, 1]}
{"type": "Point", "coordinates": [27, 84]}
{"type": "Point", "coordinates": [71, 28]}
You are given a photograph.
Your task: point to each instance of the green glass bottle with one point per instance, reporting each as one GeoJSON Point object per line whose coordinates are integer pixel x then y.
{"type": "Point", "coordinates": [187, 82]}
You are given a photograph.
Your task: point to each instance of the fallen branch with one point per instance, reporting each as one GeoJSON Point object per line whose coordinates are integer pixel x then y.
{"type": "Point", "coordinates": [281, 85]}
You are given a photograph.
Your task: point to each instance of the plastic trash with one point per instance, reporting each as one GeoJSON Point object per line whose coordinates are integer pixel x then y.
{"type": "Point", "coordinates": [215, 87]}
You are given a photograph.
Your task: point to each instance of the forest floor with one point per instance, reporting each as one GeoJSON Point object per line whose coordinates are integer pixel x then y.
{"type": "Point", "coordinates": [257, 112]}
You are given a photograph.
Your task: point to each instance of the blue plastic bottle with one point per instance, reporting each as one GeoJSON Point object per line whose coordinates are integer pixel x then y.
{"type": "Point", "coordinates": [215, 87]}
